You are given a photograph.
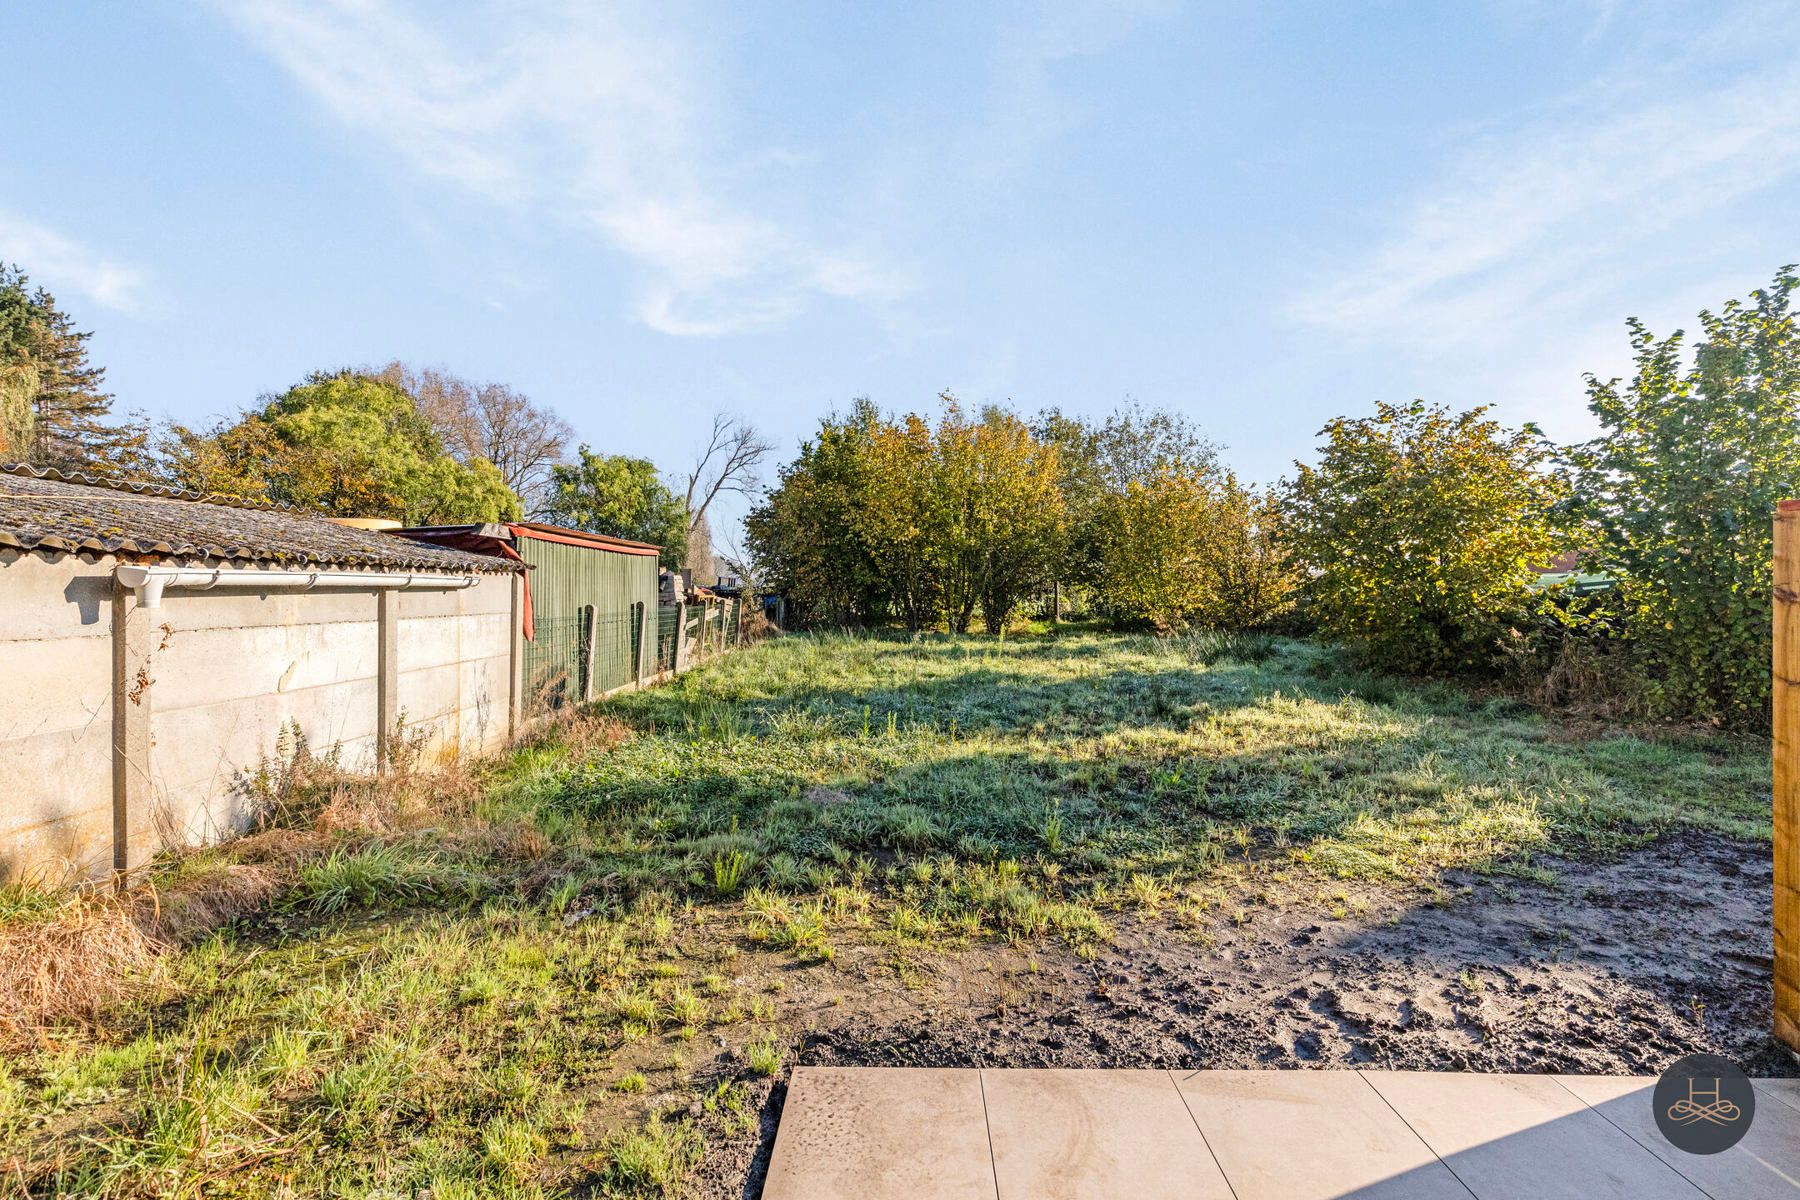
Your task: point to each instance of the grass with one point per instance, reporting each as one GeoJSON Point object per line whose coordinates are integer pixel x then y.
{"type": "Point", "coordinates": [565, 978]}
{"type": "Point", "coordinates": [1111, 755]}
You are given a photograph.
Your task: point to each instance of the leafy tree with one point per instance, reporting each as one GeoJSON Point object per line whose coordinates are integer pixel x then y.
{"type": "Point", "coordinates": [54, 409]}
{"type": "Point", "coordinates": [932, 524]}
{"type": "Point", "coordinates": [1191, 546]}
{"type": "Point", "coordinates": [1082, 483]}
{"type": "Point", "coordinates": [1419, 530]}
{"type": "Point", "coordinates": [620, 497]}
{"type": "Point", "coordinates": [1682, 483]}
{"type": "Point", "coordinates": [809, 538]}
{"type": "Point", "coordinates": [1134, 458]}
{"type": "Point", "coordinates": [345, 444]}
{"type": "Point", "coordinates": [896, 518]}
{"type": "Point", "coordinates": [1006, 516]}
{"type": "Point", "coordinates": [1252, 577]}
{"type": "Point", "coordinates": [489, 421]}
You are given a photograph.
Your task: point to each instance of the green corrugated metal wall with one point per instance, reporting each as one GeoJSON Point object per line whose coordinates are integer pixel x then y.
{"type": "Point", "coordinates": [565, 580]}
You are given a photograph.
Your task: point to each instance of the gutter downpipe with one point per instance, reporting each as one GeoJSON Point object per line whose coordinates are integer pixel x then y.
{"type": "Point", "coordinates": [149, 582]}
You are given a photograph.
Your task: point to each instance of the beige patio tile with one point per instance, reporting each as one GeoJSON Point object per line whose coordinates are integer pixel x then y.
{"type": "Point", "coordinates": [1311, 1135]}
{"type": "Point", "coordinates": [1075, 1135]}
{"type": "Point", "coordinates": [1764, 1166]}
{"type": "Point", "coordinates": [881, 1134]}
{"type": "Point", "coordinates": [1526, 1136]}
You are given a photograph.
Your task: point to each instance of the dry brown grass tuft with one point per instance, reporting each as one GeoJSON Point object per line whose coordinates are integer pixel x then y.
{"type": "Point", "coordinates": [209, 899]}
{"type": "Point", "coordinates": [71, 966]}
{"type": "Point", "coordinates": [582, 734]}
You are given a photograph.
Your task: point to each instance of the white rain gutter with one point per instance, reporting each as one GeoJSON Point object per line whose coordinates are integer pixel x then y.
{"type": "Point", "coordinates": [149, 582]}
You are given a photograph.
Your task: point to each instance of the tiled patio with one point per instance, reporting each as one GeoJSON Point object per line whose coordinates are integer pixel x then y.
{"type": "Point", "coordinates": [868, 1134]}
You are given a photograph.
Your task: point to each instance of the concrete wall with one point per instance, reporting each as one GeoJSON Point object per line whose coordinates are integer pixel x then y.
{"type": "Point", "coordinates": [55, 713]}
{"type": "Point", "coordinates": [226, 672]}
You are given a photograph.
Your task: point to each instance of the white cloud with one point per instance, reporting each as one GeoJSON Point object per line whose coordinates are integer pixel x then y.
{"type": "Point", "coordinates": [587, 117]}
{"type": "Point", "coordinates": [63, 264]}
{"type": "Point", "coordinates": [1640, 194]}
{"type": "Point", "coordinates": [1539, 216]}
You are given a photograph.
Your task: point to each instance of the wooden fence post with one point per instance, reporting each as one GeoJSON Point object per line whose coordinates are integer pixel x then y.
{"type": "Point", "coordinates": [1786, 705]}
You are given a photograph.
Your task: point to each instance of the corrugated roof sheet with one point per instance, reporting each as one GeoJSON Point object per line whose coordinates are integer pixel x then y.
{"type": "Point", "coordinates": [581, 537]}
{"type": "Point", "coordinates": [50, 510]}
{"type": "Point", "coordinates": [531, 529]}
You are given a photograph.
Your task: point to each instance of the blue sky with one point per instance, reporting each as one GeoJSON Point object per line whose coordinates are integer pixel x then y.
{"type": "Point", "coordinates": [1261, 215]}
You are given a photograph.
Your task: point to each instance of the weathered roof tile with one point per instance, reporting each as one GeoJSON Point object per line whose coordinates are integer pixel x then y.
{"type": "Point", "coordinates": [48, 510]}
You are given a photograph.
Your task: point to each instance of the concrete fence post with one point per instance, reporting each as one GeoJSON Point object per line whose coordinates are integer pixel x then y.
{"type": "Point", "coordinates": [591, 627]}
{"type": "Point", "coordinates": [515, 665]}
{"type": "Point", "coordinates": [1786, 706]}
{"type": "Point", "coordinates": [680, 636]}
{"type": "Point", "coordinates": [387, 677]}
{"type": "Point", "coordinates": [646, 644]}
{"type": "Point", "coordinates": [133, 645]}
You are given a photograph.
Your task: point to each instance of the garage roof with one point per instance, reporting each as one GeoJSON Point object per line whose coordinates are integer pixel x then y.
{"type": "Point", "coordinates": [48, 510]}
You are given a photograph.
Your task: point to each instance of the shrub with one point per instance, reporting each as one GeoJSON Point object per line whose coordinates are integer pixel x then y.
{"type": "Point", "coordinates": [1682, 484]}
{"type": "Point", "coordinates": [1419, 530]}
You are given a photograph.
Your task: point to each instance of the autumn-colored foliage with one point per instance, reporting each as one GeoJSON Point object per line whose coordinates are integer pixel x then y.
{"type": "Point", "coordinates": [1419, 530]}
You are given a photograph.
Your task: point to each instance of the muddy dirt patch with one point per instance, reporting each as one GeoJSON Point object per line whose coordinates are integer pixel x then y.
{"type": "Point", "coordinates": [1615, 967]}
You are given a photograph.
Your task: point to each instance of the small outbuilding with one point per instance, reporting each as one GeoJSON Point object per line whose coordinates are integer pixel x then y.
{"type": "Point", "coordinates": [161, 652]}
{"type": "Point", "coordinates": [592, 620]}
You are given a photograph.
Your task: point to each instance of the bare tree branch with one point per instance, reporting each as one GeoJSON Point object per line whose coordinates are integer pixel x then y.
{"type": "Point", "coordinates": [491, 421]}
{"type": "Point", "coordinates": [730, 463]}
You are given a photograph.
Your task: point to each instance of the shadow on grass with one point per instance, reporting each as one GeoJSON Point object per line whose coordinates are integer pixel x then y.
{"type": "Point", "coordinates": [1138, 761]}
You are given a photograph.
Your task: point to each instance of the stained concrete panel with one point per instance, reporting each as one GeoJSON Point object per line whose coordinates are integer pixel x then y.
{"type": "Point", "coordinates": [52, 775]}
{"type": "Point", "coordinates": [54, 685]}
{"type": "Point", "coordinates": [492, 595]}
{"type": "Point", "coordinates": [62, 599]}
{"type": "Point", "coordinates": [881, 1134]}
{"type": "Point", "coordinates": [436, 641]}
{"type": "Point", "coordinates": [200, 667]}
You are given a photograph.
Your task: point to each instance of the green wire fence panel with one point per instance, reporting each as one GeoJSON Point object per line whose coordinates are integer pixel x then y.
{"type": "Point", "coordinates": [615, 650]}
{"type": "Point", "coordinates": [696, 625]}
{"type": "Point", "coordinates": [572, 659]}
{"type": "Point", "coordinates": [555, 658]}
{"type": "Point", "coordinates": [668, 619]}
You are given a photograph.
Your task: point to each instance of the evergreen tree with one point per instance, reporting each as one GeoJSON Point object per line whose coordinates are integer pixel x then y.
{"type": "Point", "coordinates": [67, 421]}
